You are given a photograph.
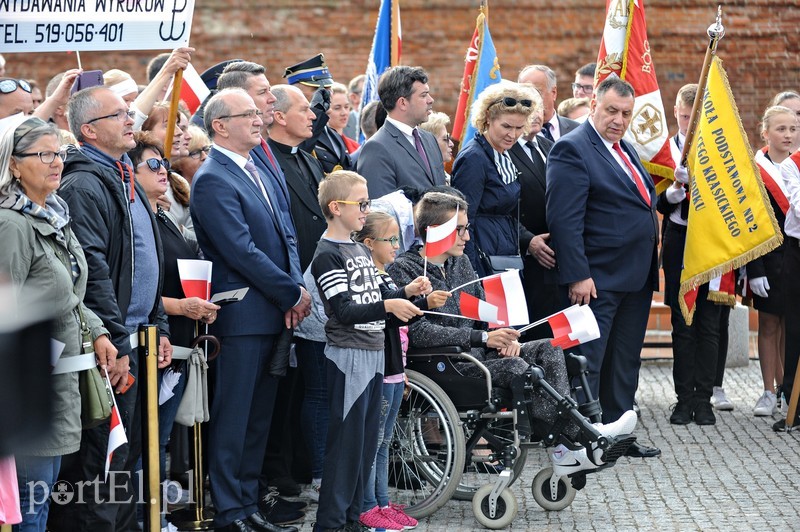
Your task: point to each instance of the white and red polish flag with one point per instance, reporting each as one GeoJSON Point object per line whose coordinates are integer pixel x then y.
{"type": "Point", "coordinates": [572, 326]}
{"type": "Point", "coordinates": [116, 434]}
{"type": "Point", "coordinates": [505, 292]}
{"type": "Point", "coordinates": [195, 277]}
{"type": "Point", "coordinates": [193, 90]}
{"type": "Point", "coordinates": [440, 238]}
{"type": "Point", "coordinates": [478, 309]}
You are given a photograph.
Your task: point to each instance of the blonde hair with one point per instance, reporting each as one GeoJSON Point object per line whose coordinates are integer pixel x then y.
{"type": "Point", "coordinates": [337, 186]}
{"type": "Point", "coordinates": [377, 222]}
{"type": "Point", "coordinates": [570, 104]}
{"type": "Point", "coordinates": [687, 95]}
{"type": "Point", "coordinates": [114, 76]}
{"type": "Point", "coordinates": [771, 112]}
{"type": "Point", "coordinates": [338, 88]}
{"type": "Point", "coordinates": [490, 105]}
{"type": "Point", "coordinates": [435, 121]}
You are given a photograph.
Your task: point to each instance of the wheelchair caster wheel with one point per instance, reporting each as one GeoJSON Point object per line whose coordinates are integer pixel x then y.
{"type": "Point", "coordinates": [505, 511]}
{"type": "Point", "coordinates": [544, 495]}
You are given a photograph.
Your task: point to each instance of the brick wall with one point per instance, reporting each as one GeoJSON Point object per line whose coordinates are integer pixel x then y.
{"type": "Point", "coordinates": [760, 48]}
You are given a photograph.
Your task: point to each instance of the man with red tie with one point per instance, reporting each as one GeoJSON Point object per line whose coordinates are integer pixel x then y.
{"type": "Point", "coordinates": [604, 230]}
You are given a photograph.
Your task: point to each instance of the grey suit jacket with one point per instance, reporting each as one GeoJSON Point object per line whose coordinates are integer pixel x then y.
{"type": "Point", "coordinates": [389, 161]}
{"type": "Point", "coordinates": [565, 125]}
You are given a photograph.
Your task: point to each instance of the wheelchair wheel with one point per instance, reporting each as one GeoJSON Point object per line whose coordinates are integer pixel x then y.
{"type": "Point", "coordinates": [505, 512]}
{"type": "Point", "coordinates": [477, 473]}
{"type": "Point", "coordinates": [426, 455]}
{"type": "Point", "coordinates": [542, 494]}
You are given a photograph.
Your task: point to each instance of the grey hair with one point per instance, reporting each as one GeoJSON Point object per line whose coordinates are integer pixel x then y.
{"type": "Point", "coordinates": [81, 108]}
{"type": "Point", "coordinates": [548, 72]}
{"type": "Point", "coordinates": [282, 100]}
{"type": "Point", "coordinates": [217, 107]}
{"type": "Point", "coordinates": [367, 118]}
{"type": "Point", "coordinates": [38, 129]}
{"type": "Point", "coordinates": [238, 74]}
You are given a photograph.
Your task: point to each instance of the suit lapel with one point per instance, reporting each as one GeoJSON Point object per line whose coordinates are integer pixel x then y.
{"type": "Point", "coordinates": [401, 139]}
{"type": "Point", "coordinates": [621, 175]}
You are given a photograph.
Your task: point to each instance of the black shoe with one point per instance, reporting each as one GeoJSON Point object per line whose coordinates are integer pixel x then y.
{"type": "Point", "coordinates": [260, 522]}
{"type": "Point", "coordinates": [297, 506]}
{"type": "Point", "coordinates": [681, 413]}
{"type": "Point", "coordinates": [286, 486]}
{"type": "Point", "coordinates": [637, 450]}
{"type": "Point", "coordinates": [240, 525]}
{"type": "Point", "coordinates": [280, 511]}
{"type": "Point", "coordinates": [704, 414]}
{"type": "Point", "coordinates": [779, 426]}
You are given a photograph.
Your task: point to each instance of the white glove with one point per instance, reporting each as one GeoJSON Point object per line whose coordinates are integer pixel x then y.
{"type": "Point", "coordinates": [675, 194]}
{"type": "Point", "coordinates": [681, 174]}
{"type": "Point", "coordinates": [760, 286]}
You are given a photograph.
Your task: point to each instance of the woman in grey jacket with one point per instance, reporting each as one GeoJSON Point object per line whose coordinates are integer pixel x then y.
{"type": "Point", "coordinates": [45, 263]}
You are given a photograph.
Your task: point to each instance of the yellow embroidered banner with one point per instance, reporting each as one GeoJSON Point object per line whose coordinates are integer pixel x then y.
{"type": "Point", "coordinates": [730, 218]}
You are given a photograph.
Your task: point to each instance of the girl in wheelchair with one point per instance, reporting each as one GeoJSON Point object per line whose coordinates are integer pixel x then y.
{"type": "Point", "coordinates": [507, 360]}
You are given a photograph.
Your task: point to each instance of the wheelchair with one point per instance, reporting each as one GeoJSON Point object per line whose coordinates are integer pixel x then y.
{"type": "Point", "coordinates": [460, 437]}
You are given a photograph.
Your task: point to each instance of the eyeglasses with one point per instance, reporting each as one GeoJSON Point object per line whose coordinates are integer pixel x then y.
{"type": "Point", "coordinates": [154, 164]}
{"type": "Point", "coordinates": [508, 101]}
{"type": "Point", "coordinates": [251, 114]}
{"type": "Point", "coordinates": [47, 157]}
{"type": "Point", "coordinates": [461, 229]}
{"type": "Point", "coordinates": [362, 205]}
{"type": "Point", "coordinates": [120, 115]}
{"type": "Point", "coordinates": [9, 85]}
{"type": "Point", "coordinates": [584, 88]}
{"type": "Point", "coordinates": [196, 154]}
{"type": "Point", "coordinates": [393, 240]}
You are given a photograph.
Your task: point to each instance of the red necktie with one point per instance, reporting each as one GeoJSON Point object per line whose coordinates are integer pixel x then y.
{"type": "Point", "coordinates": [636, 177]}
{"type": "Point", "coordinates": [271, 158]}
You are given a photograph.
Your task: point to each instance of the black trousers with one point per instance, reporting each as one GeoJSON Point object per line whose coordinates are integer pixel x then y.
{"type": "Point", "coordinates": [542, 295]}
{"type": "Point", "coordinates": [695, 348]}
{"type": "Point", "coordinates": [791, 271]}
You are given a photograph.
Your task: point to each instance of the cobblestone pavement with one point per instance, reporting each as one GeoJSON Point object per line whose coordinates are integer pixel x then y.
{"type": "Point", "coordinates": [735, 475]}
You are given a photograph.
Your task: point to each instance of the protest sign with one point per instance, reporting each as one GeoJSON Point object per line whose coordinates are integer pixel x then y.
{"type": "Point", "coordinates": [94, 25]}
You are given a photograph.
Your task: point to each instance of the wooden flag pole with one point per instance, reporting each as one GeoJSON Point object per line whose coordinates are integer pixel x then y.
{"type": "Point", "coordinates": [715, 33]}
{"type": "Point", "coordinates": [172, 118]}
{"type": "Point", "coordinates": [791, 415]}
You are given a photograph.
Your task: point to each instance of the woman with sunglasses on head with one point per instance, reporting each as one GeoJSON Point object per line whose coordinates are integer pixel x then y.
{"type": "Point", "coordinates": [484, 173]}
{"type": "Point", "coordinates": [46, 266]}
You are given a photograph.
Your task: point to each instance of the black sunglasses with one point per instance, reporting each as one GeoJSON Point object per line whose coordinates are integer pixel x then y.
{"type": "Point", "coordinates": [154, 164]}
{"type": "Point", "coordinates": [9, 85]}
{"type": "Point", "coordinates": [508, 101]}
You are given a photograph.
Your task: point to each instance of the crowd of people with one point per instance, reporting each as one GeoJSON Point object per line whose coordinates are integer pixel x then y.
{"type": "Point", "coordinates": [320, 207]}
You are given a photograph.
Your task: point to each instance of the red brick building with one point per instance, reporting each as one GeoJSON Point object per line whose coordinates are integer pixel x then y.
{"type": "Point", "coordinates": [761, 47]}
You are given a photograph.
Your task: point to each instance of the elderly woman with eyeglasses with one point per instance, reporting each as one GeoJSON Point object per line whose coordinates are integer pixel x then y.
{"type": "Point", "coordinates": [43, 260]}
{"type": "Point", "coordinates": [484, 173]}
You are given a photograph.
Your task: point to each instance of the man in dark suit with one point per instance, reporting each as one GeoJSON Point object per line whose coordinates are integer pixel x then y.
{"type": "Point", "coordinates": [601, 214]}
{"type": "Point", "coordinates": [240, 229]}
{"type": "Point", "coordinates": [529, 156]}
{"type": "Point", "coordinates": [544, 79]}
{"type": "Point", "coordinates": [292, 126]}
{"type": "Point", "coordinates": [400, 153]}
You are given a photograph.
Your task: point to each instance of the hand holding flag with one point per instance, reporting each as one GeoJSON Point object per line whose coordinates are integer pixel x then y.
{"type": "Point", "coordinates": [116, 434]}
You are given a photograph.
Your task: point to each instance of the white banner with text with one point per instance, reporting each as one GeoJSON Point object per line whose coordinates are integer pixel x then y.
{"type": "Point", "coordinates": [94, 25]}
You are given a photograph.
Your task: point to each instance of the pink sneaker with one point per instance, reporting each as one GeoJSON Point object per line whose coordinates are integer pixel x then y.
{"type": "Point", "coordinates": [375, 518]}
{"type": "Point", "coordinates": [395, 513]}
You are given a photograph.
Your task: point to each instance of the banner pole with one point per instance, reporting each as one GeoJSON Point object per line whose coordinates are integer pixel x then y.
{"type": "Point", "coordinates": [148, 358]}
{"type": "Point", "coordinates": [715, 34]}
{"type": "Point", "coordinates": [172, 118]}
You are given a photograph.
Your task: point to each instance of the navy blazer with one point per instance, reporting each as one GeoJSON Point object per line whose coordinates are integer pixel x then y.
{"type": "Point", "coordinates": [600, 225]}
{"type": "Point", "coordinates": [389, 161]}
{"type": "Point", "coordinates": [492, 204]}
{"type": "Point", "coordinates": [247, 243]}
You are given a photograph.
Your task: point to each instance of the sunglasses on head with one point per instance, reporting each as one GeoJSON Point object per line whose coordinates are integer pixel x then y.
{"type": "Point", "coordinates": [508, 101]}
{"type": "Point", "coordinates": [154, 164]}
{"type": "Point", "coordinates": [9, 85]}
